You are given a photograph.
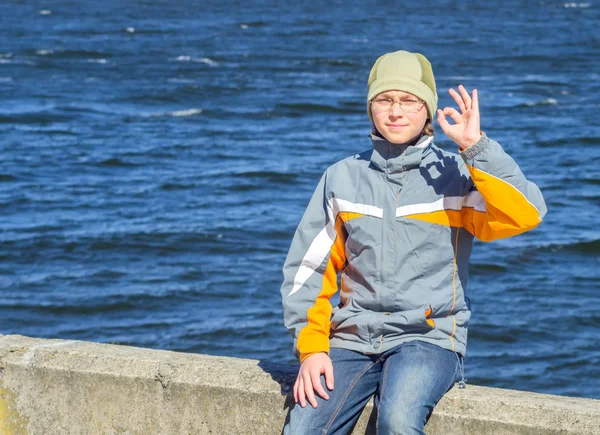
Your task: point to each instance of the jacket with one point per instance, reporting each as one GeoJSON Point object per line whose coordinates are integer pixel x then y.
{"type": "Point", "coordinates": [397, 225]}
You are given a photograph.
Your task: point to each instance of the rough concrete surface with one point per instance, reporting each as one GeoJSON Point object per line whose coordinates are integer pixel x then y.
{"type": "Point", "coordinates": [75, 387]}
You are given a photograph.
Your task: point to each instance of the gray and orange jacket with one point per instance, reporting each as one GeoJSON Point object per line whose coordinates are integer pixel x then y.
{"type": "Point", "coordinates": [397, 224]}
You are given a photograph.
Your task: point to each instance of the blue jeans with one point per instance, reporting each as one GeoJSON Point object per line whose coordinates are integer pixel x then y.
{"type": "Point", "coordinates": [407, 381]}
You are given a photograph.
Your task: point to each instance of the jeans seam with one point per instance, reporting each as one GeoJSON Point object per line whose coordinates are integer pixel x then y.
{"type": "Point", "coordinates": [385, 369]}
{"type": "Point", "coordinates": [343, 401]}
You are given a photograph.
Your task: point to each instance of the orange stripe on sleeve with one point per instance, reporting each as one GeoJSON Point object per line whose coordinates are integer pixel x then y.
{"type": "Point", "coordinates": [451, 218]}
{"type": "Point", "coordinates": [508, 211]}
{"type": "Point", "coordinates": [314, 337]}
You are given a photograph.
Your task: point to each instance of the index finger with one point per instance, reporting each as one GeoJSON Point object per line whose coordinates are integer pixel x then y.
{"type": "Point", "coordinates": [458, 99]}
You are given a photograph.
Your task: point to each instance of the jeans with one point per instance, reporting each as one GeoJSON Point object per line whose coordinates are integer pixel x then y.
{"type": "Point", "coordinates": [407, 381]}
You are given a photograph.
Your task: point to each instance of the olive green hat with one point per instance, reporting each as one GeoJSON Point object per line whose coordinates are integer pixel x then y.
{"type": "Point", "coordinates": [403, 71]}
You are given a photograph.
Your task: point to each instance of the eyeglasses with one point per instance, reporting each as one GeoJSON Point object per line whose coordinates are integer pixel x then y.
{"type": "Point", "coordinates": [408, 105]}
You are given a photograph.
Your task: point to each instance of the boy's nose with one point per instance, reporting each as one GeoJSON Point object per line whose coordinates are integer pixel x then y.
{"type": "Point", "coordinates": [396, 110]}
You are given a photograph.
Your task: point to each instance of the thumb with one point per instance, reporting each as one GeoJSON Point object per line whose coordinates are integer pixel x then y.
{"type": "Point", "coordinates": [329, 375]}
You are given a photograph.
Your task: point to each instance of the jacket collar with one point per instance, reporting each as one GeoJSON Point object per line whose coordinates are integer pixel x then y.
{"type": "Point", "coordinates": [393, 158]}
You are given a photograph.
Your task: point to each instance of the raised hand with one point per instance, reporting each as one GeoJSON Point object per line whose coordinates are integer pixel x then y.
{"type": "Point", "coordinates": [466, 128]}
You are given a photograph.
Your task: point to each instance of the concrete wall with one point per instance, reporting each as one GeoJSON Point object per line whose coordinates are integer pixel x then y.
{"type": "Point", "coordinates": [73, 387]}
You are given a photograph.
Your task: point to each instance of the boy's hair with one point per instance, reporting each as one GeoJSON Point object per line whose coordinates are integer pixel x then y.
{"type": "Point", "coordinates": [428, 129]}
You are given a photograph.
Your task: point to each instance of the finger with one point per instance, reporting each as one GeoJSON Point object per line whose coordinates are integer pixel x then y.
{"type": "Point", "coordinates": [442, 121]}
{"type": "Point", "coordinates": [458, 99]}
{"type": "Point", "coordinates": [296, 390]}
{"type": "Point", "coordinates": [329, 376]}
{"type": "Point", "coordinates": [475, 103]}
{"type": "Point", "coordinates": [308, 389]}
{"type": "Point", "coordinates": [318, 387]}
{"type": "Point", "coordinates": [453, 113]}
{"type": "Point", "coordinates": [301, 396]}
{"type": "Point", "coordinates": [465, 96]}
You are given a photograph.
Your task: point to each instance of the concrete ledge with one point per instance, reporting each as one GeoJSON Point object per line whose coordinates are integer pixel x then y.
{"type": "Point", "coordinates": [74, 387]}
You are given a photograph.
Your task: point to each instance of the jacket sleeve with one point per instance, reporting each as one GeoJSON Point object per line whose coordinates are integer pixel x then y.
{"type": "Point", "coordinates": [501, 202]}
{"type": "Point", "coordinates": [310, 271]}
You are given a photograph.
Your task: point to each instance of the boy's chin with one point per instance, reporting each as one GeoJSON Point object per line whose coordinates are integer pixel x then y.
{"type": "Point", "coordinates": [398, 138]}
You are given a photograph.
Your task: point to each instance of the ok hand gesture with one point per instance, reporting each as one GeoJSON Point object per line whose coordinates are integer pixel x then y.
{"type": "Point", "coordinates": [466, 128]}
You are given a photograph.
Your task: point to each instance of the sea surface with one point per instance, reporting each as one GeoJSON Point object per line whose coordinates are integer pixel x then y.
{"type": "Point", "coordinates": [157, 156]}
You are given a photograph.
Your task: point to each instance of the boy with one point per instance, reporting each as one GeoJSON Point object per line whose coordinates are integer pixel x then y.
{"type": "Point", "coordinates": [397, 222]}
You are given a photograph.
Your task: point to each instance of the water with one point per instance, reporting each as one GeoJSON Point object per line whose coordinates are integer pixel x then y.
{"type": "Point", "coordinates": [157, 158]}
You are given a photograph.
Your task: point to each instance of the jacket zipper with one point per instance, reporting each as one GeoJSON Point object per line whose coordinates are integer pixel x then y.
{"type": "Point", "coordinates": [393, 241]}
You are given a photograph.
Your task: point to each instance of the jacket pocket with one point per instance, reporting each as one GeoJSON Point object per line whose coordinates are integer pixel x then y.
{"type": "Point", "coordinates": [363, 236]}
{"type": "Point", "coordinates": [351, 324]}
{"type": "Point", "coordinates": [407, 322]}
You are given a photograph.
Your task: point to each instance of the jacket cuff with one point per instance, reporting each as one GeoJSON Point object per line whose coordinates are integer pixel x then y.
{"type": "Point", "coordinates": [476, 149]}
{"type": "Point", "coordinates": [303, 356]}
{"type": "Point", "coordinates": [310, 343]}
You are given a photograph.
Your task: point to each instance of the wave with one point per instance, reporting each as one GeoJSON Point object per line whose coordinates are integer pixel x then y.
{"type": "Point", "coordinates": [175, 186]}
{"type": "Point", "coordinates": [206, 60]}
{"type": "Point", "coordinates": [301, 109]}
{"type": "Point", "coordinates": [32, 118]}
{"type": "Point", "coordinates": [7, 177]}
{"type": "Point", "coordinates": [589, 247]}
{"type": "Point", "coordinates": [335, 62]}
{"type": "Point", "coordinates": [546, 102]}
{"type": "Point", "coordinates": [78, 54]}
{"type": "Point", "coordinates": [487, 268]}
{"type": "Point", "coordinates": [83, 308]}
{"type": "Point", "coordinates": [253, 24]}
{"type": "Point", "coordinates": [188, 112]}
{"type": "Point", "coordinates": [561, 142]}
{"type": "Point", "coordinates": [580, 247]}
{"type": "Point", "coordinates": [178, 113]}
{"type": "Point", "coordinates": [20, 200]}
{"type": "Point", "coordinates": [116, 162]}
{"type": "Point", "coordinates": [219, 240]}
{"type": "Point", "coordinates": [269, 176]}
{"type": "Point", "coordinates": [514, 333]}
{"type": "Point", "coordinates": [577, 5]}
{"type": "Point", "coordinates": [58, 132]}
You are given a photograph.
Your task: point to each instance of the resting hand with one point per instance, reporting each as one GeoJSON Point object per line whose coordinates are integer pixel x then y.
{"type": "Point", "coordinates": [466, 128]}
{"type": "Point", "coordinates": [309, 379]}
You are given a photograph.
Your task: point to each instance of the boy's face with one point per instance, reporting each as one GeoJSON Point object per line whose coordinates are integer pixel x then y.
{"type": "Point", "coordinates": [394, 124]}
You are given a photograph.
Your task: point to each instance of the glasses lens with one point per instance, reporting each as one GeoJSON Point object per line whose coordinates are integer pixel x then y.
{"type": "Point", "coordinates": [385, 105]}
{"type": "Point", "coordinates": [410, 106]}
{"type": "Point", "coordinates": [381, 105]}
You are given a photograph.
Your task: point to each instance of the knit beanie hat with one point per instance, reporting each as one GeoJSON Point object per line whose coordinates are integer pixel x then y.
{"type": "Point", "coordinates": [403, 71]}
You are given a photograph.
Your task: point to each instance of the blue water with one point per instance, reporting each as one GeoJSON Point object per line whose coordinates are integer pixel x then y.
{"type": "Point", "coordinates": [157, 158]}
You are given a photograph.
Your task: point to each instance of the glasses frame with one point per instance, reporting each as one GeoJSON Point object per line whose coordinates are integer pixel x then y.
{"type": "Point", "coordinates": [421, 104]}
